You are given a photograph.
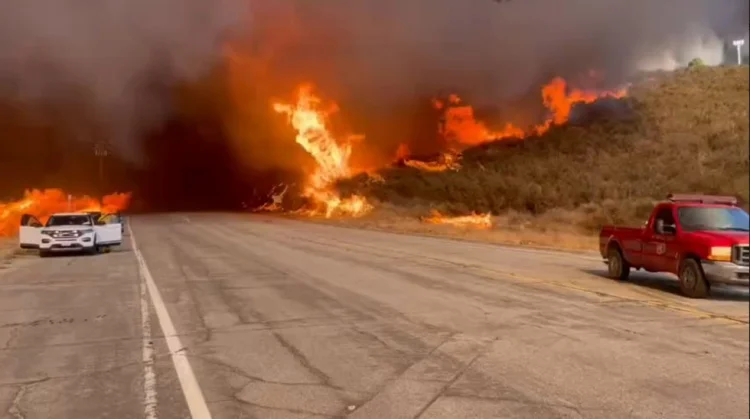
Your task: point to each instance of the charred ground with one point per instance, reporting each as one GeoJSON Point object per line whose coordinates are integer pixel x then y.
{"type": "Point", "coordinates": [687, 132]}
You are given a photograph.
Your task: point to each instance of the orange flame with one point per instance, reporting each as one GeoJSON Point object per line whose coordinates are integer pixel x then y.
{"type": "Point", "coordinates": [402, 152]}
{"type": "Point", "coordinates": [331, 155]}
{"type": "Point", "coordinates": [277, 199]}
{"type": "Point", "coordinates": [43, 203]}
{"type": "Point", "coordinates": [481, 221]}
{"type": "Point", "coordinates": [560, 101]}
{"type": "Point", "coordinates": [461, 127]}
{"type": "Point", "coordinates": [448, 161]}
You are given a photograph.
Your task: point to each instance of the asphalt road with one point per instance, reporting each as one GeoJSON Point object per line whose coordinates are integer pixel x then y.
{"type": "Point", "coordinates": [270, 318]}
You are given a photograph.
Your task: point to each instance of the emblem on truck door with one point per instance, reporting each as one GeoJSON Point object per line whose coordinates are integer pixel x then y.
{"type": "Point", "coordinates": [661, 248]}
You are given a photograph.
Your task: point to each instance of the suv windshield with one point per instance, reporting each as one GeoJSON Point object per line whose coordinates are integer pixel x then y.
{"type": "Point", "coordinates": [69, 220]}
{"type": "Point", "coordinates": [713, 219]}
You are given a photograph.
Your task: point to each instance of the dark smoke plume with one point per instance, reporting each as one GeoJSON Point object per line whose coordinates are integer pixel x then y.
{"type": "Point", "coordinates": [107, 69]}
{"type": "Point", "coordinates": [388, 49]}
{"type": "Point", "coordinates": [104, 58]}
{"type": "Point", "coordinates": [378, 57]}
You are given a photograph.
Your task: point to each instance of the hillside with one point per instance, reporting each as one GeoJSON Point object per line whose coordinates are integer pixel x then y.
{"type": "Point", "coordinates": [685, 132]}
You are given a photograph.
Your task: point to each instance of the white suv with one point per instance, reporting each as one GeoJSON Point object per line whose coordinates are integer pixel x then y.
{"type": "Point", "coordinates": [69, 232]}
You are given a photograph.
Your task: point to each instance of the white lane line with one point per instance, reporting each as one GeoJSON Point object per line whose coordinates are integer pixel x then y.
{"type": "Point", "coordinates": [190, 388]}
{"type": "Point", "coordinates": [149, 376]}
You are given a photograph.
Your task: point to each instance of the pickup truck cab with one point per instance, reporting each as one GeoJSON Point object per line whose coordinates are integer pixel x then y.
{"type": "Point", "coordinates": [702, 239]}
{"type": "Point", "coordinates": [69, 232]}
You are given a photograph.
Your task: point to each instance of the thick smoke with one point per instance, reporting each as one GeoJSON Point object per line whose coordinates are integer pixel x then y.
{"type": "Point", "coordinates": [387, 49]}
{"type": "Point", "coordinates": [113, 61]}
{"type": "Point", "coordinates": [112, 58]}
{"type": "Point", "coordinates": [381, 59]}
{"type": "Point", "coordinates": [108, 68]}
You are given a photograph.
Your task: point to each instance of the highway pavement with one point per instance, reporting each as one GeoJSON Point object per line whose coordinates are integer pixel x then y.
{"type": "Point", "coordinates": [243, 316]}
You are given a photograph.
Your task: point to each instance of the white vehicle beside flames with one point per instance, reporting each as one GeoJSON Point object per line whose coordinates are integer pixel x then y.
{"type": "Point", "coordinates": [70, 232]}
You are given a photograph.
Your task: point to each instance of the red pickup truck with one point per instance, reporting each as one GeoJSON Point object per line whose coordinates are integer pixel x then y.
{"type": "Point", "coordinates": [700, 238]}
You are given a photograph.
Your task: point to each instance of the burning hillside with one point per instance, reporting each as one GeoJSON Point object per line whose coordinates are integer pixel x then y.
{"type": "Point", "coordinates": [187, 105]}
{"type": "Point", "coordinates": [458, 129]}
{"type": "Point", "coordinates": [687, 131]}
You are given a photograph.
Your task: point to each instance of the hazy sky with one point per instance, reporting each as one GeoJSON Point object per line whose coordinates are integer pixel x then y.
{"type": "Point", "coordinates": [385, 48]}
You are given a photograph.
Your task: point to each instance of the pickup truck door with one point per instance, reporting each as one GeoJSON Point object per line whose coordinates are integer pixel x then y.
{"type": "Point", "coordinates": [659, 246]}
{"type": "Point", "coordinates": [659, 252]}
{"type": "Point", "coordinates": [30, 232]}
{"type": "Point", "coordinates": [108, 230]}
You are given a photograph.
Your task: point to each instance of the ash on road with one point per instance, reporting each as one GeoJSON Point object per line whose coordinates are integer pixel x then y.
{"type": "Point", "coordinates": [282, 319]}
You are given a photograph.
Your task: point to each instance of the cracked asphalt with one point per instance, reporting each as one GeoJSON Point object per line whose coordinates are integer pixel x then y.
{"type": "Point", "coordinates": [283, 319]}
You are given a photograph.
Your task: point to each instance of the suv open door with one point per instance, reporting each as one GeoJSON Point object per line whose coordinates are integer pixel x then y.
{"type": "Point", "coordinates": [30, 232]}
{"type": "Point", "coordinates": [108, 230]}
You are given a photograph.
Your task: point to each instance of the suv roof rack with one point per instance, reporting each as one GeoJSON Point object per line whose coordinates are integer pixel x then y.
{"type": "Point", "coordinates": [703, 199]}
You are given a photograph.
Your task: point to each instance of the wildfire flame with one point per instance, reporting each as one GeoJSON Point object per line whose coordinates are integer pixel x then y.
{"type": "Point", "coordinates": [331, 155]}
{"type": "Point", "coordinates": [464, 130]}
{"type": "Point", "coordinates": [43, 203]}
{"type": "Point", "coordinates": [447, 161]}
{"type": "Point", "coordinates": [480, 221]}
{"type": "Point", "coordinates": [459, 126]}
{"type": "Point", "coordinates": [277, 199]}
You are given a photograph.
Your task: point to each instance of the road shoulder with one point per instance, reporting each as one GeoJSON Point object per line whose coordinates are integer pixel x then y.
{"type": "Point", "coordinates": [502, 233]}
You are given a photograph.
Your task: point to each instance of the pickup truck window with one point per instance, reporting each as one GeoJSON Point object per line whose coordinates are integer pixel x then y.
{"type": "Point", "coordinates": [666, 215]}
{"type": "Point", "coordinates": [69, 220]}
{"type": "Point", "coordinates": [713, 219]}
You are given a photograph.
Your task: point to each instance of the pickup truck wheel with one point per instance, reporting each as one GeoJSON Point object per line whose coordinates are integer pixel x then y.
{"type": "Point", "coordinates": [618, 267]}
{"type": "Point", "coordinates": [692, 279]}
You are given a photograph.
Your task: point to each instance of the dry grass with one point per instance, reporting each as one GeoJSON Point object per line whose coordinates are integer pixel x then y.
{"type": "Point", "coordinates": [683, 132]}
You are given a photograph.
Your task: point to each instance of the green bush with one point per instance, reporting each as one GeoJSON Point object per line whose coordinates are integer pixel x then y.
{"type": "Point", "coordinates": [696, 62]}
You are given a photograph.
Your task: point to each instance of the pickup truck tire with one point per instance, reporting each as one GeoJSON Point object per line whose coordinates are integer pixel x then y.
{"type": "Point", "coordinates": [692, 279]}
{"type": "Point", "coordinates": [618, 267]}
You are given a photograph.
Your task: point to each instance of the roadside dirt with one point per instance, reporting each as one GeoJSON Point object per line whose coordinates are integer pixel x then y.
{"type": "Point", "coordinates": [8, 250]}
{"type": "Point", "coordinates": [506, 230]}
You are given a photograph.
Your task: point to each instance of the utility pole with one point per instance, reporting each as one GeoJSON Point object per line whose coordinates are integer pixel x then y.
{"type": "Point", "coordinates": [738, 43]}
{"type": "Point", "coordinates": [100, 151]}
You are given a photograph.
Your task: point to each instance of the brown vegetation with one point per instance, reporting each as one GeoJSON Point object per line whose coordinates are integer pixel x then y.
{"type": "Point", "coordinates": [685, 131]}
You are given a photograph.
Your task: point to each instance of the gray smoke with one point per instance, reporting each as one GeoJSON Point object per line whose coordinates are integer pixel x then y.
{"type": "Point", "coordinates": [110, 59]}
{"type": "Point", "coordinates": [388, 49]}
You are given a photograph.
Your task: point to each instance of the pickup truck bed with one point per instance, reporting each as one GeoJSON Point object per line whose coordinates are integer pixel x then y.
{"type": "Point", "coordinates": [620, 232]}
